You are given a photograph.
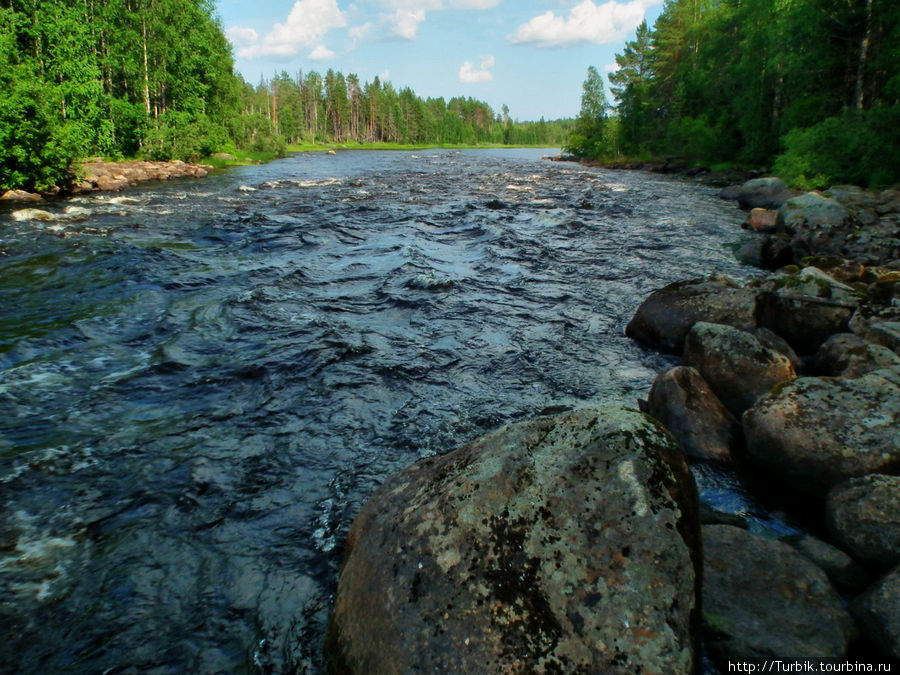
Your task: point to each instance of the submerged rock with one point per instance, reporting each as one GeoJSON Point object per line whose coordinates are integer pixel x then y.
{"type": "Point", "coordinates": [878, 613]}
{"type": "Point", "coordinates": [561, 544]}
{"type": "Point", "coordinates": [664, 319]}
{"type": "Point", "coordinates": [737, 365]}
{"type": "Point", "coordinates": [763, 599]}
{"type": "Point", "coordinates": [682, 400]}
{"type": "Point", "coordinates": [815, 432]}
{"type": "Point", "coordinates": [863, 515]}
{"type": "Point", "coordinates": [33, 214]}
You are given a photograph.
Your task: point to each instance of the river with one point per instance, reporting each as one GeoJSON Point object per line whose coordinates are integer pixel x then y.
{"type": "Point", "coordinates": [201, 381]}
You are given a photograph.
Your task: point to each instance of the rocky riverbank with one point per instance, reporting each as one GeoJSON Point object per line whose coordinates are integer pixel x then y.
{"type": "Point", "coordinates": [798, 375]}
{"type": "Point", "coordinates": [571, 543]}
{"type": "Point", "coordinates": [98, 175]}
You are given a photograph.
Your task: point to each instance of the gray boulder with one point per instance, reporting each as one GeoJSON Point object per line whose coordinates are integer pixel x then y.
{"type": "Point", "coordinates": [735, 363]}
{"type": "Point", "coordinates": [665, 317]}
{"type": "Point", "coordinates": [806, 308]}
{"type": "Point", "coordinates": [878, 613]}
{"type": "Point", "coordinates": [816, 432]}
{"type": "Point", "coordinates": [682, 400]}
{"type": "Point", "coordinates": [848, 355]}
{"type": "Point", "coordinates": [764, 193]}
{"type": "Point", "coordinates": [812, 212]}
{"type": "Point", "coordinates": [763, 599]}
{"type": "Point", "coordinates": [880, 325]}
{"type": "Point", "coordinates": [863, 515]}
{"type": "Point", "coordinates": [561, 544]}
{"type": "Point", "coordinates": [843, 571]}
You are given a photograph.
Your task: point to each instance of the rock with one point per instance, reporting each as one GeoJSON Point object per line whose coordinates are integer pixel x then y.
{"type": "Point", "coordinates": [768, 252]}
{"type": "Point", "coordinates": [812, 212]}
{"type": "Point", "coordinates": [880, 325]}
{"type": "Point", "coordinates": [777, 343]}
{"type": "Point", "coordinates": [806, 308]}
{"type": "Point", "coordinates": [108, 183]}
{"type": "Point", "coordinates": [20, 196]}
{"type": "Point", "coordinates": [737, 366]}
{"type": "Point", "coordinates": [885, 290]}
{"type": "Point", "coordinates": [33, 214]}
{"type": "Point", "coordinates": [663, 320]}
{"type": "Point", "coordinates": [682, 400]}
{"type": "Point", "coordinates": [765, 193]}
{"type": "Point", "coordinates": [863, 515]}
{"type": "Point", "coordinates": [878, 613]}
{"type": "Point", "coordinates": [843, 571]}
{"type": "Point", "coordinates": [762, 220]}
{"type": "Point", "coordinates": [763, 599]}
{"type": "Point", "coordinates": [848, 355]}
{"type": "Point", "coordinates": [815, 432]}
{"type": "Point", "coordinates": [839, 269]}
{"type": "Point", "coordinates": [495, 205]}
{"type": "Point", "coordinates": [561, 544]}
{"type": "Point", "coordinates": [332, 152]}
{"type": "Point", "coordinates": [223, 155]}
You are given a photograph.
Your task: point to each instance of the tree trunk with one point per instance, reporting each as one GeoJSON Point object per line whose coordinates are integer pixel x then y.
{"type": "Point", "coordinates": [146, 71]}
{"type": "Point", "coordinates": [863, 56]}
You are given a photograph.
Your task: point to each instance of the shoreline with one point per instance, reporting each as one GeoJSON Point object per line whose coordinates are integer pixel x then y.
{"type": "Point", "coordinates": [99, 175]}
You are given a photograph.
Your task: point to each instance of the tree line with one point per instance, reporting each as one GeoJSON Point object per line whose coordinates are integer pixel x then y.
{"type": "Point", "coordinates": [309, 108]}
{"type": "Point", "coordinates": [155, 78]}
{"type": "Point", "coordinates": [810, 88]}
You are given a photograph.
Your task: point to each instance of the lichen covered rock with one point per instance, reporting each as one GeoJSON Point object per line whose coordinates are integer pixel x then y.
{"type": "Point", "coordinates": [735, 363]}
{"type": "Point", "coordinates": [816, 432]}
{"type": "Point", "coordinates": [559, 544]}
{"type": "Point", "coordinates": [763, 599]}
{"type": "Point", "coordinates": [665, 317]}
{"type": "Point", "coordinates": [848, 355]}
{"type": "Point", "coordinates": [863, 515]}
{"type": "Point", "coordinates": [878, 613]}
{"type": "Point", "coordinates": [682, 400]}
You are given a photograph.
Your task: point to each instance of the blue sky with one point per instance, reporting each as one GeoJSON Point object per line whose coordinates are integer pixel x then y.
{"type": "Point", "coordinates": [531, 55]}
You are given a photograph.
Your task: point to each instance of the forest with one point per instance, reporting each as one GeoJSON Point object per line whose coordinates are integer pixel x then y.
{"type": "Point", "coordinates": [809, 89]}
{"type": "Point", "coordinates": [156, 79]}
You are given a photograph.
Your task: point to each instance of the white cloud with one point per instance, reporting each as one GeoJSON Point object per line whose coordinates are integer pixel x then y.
{"type": "Point", "coordinates": [586, 23]}
{"type": "Point", "coordinates": [611, 67]}
{"type": "Point", "coordinates": [404, 23]}
{"type": "Point", "coordinates": [360, 32]}
{"type": "Point", "coordinates": [307, 23]}
{"type": "Point", "coordinates": [469, 75]}
{"type": "Point", "coordinates": [320, 53]}
{"type": "Point", "coordinates": [241, 37]}
{"type": "Point", "coordinates": [473, 4]}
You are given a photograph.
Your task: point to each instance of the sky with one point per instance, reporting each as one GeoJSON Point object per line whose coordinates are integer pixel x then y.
{"type": "Point", "coordinates": [531, 55]}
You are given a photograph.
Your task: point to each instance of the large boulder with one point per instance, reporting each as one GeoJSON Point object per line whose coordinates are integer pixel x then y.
{"type": "Point", "coordinates": [848, 355]}
{"type": "Point", "coordinates": [561, 544]}
{"type": "Point", "coordinates": [812, 212]}
{"type": "Point", "coordinates": [806, 308]}
{"type": "Point", "coordinates": [682, 400]}
{"type": "Point", "coordinates": [878, 613]}
{"type": "Point", "coordinates": [843, 570]}
{"type": "Point", "coordinates": [863, 515]}
{"type": "Point", "coordinates": [763, 599]}
{"type": "Point", "coordinates": [20, 196]}
{"type": "Point", "coordinates": [665, 317]}
{"type": "Point", "coordinates": [816, 432]}
{"type": "Point", "coordinates": [768, 251]}
{"type": "Point", "coordinates": [737, 365]}
{"type": "Point", "coordinates": [764, 193]}
{"type": "Point", "coordinates": [880, 325]}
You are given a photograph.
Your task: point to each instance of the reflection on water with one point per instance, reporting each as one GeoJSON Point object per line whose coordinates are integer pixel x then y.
{"type": "Point", "coordinates": [201, 382]}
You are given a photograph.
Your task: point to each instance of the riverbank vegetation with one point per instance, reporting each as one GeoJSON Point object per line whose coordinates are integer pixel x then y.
{"type": "Point", "coordinates": [808, 89]}
{"type": "Point", "coordinates": [155, 79]}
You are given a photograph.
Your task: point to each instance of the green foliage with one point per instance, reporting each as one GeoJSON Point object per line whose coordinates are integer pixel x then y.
{"type": "Point", "coordinates": [854, 147]}
{"type": "Point", "coordinates": [741, 80]}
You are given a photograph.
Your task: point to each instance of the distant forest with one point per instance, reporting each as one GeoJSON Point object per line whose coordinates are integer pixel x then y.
{"type": "Point", "coordinates": [155, 78]}
{"type": "Point", "coordinates": [810, 88]}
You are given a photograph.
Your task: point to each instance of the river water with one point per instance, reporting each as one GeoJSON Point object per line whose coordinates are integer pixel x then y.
{"type": "Point", "coordinates": [201, 382]}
